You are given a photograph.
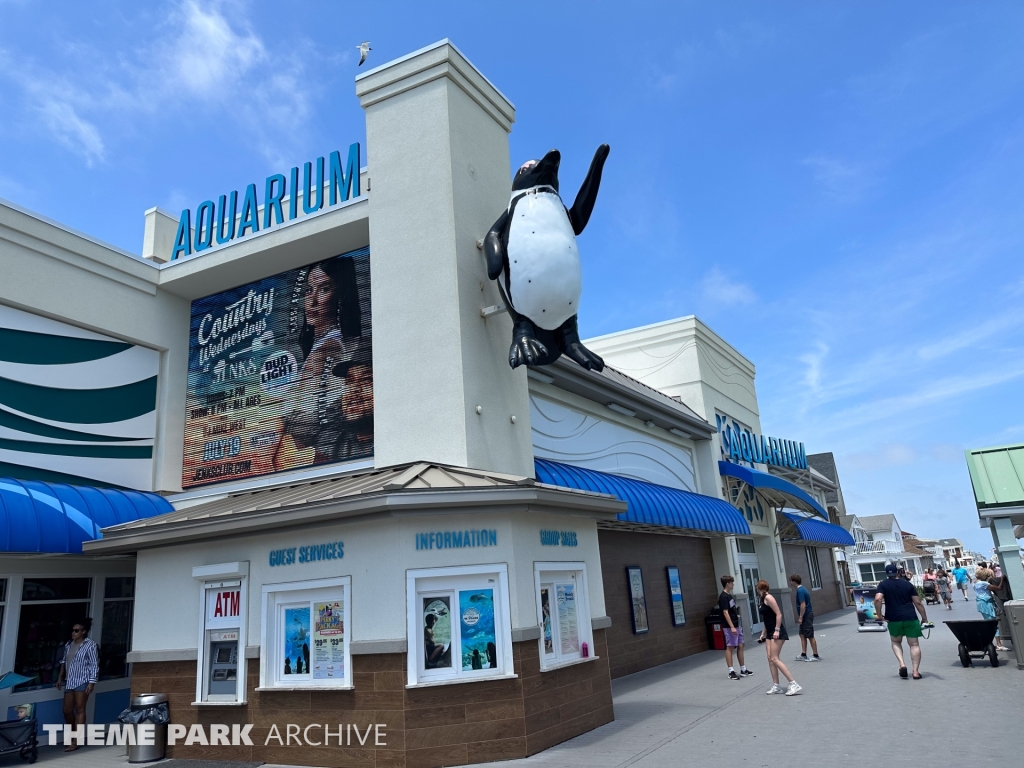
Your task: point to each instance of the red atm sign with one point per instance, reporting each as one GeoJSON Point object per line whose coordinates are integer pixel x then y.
{"type": "Point", "coordinates": [223, 604]}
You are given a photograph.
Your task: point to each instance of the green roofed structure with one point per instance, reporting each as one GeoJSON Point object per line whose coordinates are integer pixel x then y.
{"type": "Point", "coordinates": [997, 475]}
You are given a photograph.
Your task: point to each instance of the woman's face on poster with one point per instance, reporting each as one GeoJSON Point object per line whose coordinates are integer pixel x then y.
{"type": "Point", "coordinates": [320, 305]}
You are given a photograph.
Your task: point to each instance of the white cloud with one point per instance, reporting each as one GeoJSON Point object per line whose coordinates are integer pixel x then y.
{"type": "Point", "coordinates": [971, 336]}
{"type": "Point", "coordinates": [208, 55]}
{"type": "Point", "coordinates": [205, 52]}
{"type": "Point", "coordinates": [929, 395]}
{"type": "Point", "coordinates": [73, 131]}
{"type": "Point", "coordinates": [883, 456]}
{"type": "Point", "coordinates": [841, 179]}
{"type": "Point", "coordinates": [813, 361]}
{"type": "Point", "coordinates": [718, 288]}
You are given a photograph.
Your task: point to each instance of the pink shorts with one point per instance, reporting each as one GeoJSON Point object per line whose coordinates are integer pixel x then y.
{"type": "Point", "coordinates": [733, 637]}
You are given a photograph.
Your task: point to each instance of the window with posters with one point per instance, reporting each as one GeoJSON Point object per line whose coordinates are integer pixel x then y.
{"type": "Point", "coordinates": [281, 373]}
{"type": "Point", "coordinates": [563, 613]}
{"type": "Point", "coordinates": [459, 624]}
{"type": "Point", "coordinates": [305, 636]}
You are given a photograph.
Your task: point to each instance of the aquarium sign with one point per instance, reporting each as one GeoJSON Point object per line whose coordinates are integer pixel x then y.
{"type": "Point", "coordinates": [223, 221]}
{"type": "Point", "coordinates": [740, 445]}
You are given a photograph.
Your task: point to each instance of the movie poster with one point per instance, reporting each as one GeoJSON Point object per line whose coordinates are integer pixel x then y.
{"type": "Point", "coordinates": [329, 640]}
{"type": "Point", "coordinates": [280, 373]}
{"type": "Point", "coordinates": [675, 590]}
{"type": "Point", "coordinates": [638, 600]}
{"type": "Point", "coordinates": [437, 633]}
{"type": "Point", "coordinates": [864, 599]}
{"type": "Point", "coordinates": [545, 607]}
{"type": "Point", "coordinates": [479, 649]}
{"type": "Point", "coordinates": [296, 641]}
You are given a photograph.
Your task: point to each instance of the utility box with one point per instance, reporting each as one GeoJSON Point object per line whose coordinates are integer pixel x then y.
{"type": "Point", "coordinates": [1015, 615]}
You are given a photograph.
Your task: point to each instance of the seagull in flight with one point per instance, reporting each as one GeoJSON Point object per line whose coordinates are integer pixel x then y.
{"type": "Point", "coordinates": [364, 48]}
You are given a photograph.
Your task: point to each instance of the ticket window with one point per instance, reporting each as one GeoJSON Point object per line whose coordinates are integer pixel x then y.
{"type": "Point", "coordinates": [563, 614]}
{"type": "Point", "coordinates": [222, 655]}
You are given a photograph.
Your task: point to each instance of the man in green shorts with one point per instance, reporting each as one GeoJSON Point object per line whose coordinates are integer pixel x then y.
{"type": "Point", "coordinates": [901, 599]}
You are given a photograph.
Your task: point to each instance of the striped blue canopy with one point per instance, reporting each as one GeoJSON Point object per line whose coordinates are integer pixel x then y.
{"type": "Point", "coordinates": [649, 504]}
{"type": "Point", "coordinates": [53, 518]}
{"type": "Point", "coordinates": [814, 531]}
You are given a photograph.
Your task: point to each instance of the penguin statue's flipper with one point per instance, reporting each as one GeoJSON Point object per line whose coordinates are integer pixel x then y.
{"type": "Point", "coordinates": [571, 346]}
{"type": "Point", "coordinates": [583, 206]}
{"type": "Point", "coordinates": [494, 252]}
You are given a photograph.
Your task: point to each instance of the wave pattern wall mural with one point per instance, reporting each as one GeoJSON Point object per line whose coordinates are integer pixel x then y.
{"type": "Point", "coordinates": [564, 435]}
{"type": "Point", "coordinates": [75, 406]}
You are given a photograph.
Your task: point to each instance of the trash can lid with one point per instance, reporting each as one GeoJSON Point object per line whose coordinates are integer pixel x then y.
{"type": "Point", "coordinates": [148, 699]}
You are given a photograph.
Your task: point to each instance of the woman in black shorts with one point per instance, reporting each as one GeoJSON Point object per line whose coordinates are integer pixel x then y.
{"type": "Point", "coordinates": [773, 636]}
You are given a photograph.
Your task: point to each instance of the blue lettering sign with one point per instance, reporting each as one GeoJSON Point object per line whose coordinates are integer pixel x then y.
{"type": "Point", "coordinates": [740, 445]}
{"type": "Point", "coordinates": [222, 219]}
{"type": "Point", "coordinates": [483, 537]}
{"type": "Point", "coordinates": [558, 539]}
{"type": "Point", "coordinates": [332, 550]}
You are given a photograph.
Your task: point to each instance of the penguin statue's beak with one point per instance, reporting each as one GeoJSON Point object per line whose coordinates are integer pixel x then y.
{"type": "Point", "coordinates": [546, 171]}
{"type": "Point", "coordinates": [537, 173]}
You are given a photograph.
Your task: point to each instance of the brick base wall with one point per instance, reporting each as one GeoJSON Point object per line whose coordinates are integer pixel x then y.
{"type": "Point", "coordinates": [426, 727]}
{"type": "Point", "coordinates": [824, 600]}
{"type": "Point", "coordinates": [653, 553]}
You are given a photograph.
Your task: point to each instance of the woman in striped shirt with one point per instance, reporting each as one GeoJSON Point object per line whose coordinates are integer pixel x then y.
{"type": "Point", "coordinates": [79, 671]}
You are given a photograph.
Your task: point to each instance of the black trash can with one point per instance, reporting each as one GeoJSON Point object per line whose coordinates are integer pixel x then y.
{"type": "Point", "coordinates": [148, 708]}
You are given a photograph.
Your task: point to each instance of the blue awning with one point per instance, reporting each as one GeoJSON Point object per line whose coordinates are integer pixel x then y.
{"type": "Point", "coordinates": [54, 518]}
{"type": "Point", "coordinates": [778, 492]}
{"type": "Point", "coordinates": [819, 532]}
{"type": "Point", "coordinates": [649, 504]}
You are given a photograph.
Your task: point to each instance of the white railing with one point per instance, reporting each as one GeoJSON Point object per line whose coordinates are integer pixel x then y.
{"type": "Point", "coordinates": [867, 547]}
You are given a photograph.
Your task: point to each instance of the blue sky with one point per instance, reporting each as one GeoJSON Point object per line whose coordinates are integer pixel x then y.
{"type": "Point", "coordinates": [834, 188]}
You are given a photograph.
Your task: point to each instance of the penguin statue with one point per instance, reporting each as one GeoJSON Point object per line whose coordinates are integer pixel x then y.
{"type": "Point", "coordinates": [531, 252]}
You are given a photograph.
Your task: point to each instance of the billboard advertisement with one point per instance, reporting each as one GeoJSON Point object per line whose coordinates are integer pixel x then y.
{"type": "Point", "coordinates": [280, 373]}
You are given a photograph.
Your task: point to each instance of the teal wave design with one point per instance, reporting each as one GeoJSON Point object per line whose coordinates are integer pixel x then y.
{"type": "Point", "coordinates": [46, 349]}
{"type": "Point", "coordinates": [80, 406]}
{"type": "Point", "coordinates": [20, 423]}
{"type": "Point", "coordinates": [86, 451]}
{"type": "Point", "coordinates": [20, 472]}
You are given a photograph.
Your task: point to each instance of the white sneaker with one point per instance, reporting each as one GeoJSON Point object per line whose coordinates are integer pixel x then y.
{"type": "Point", "coordinates": [776, 688]}
{"type": "Point", "coordinates": [812, 658]}
{"type": "Point", "coordinates": [800, 658]}
{"type": "Point", "coordinates": [793, 689]}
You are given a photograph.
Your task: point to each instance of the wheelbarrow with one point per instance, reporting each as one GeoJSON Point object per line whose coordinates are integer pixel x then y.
{"type": "Point", "coordinates": [975, 639]}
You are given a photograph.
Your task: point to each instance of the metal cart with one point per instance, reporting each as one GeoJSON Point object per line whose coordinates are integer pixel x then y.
{"type": "Point", "coordinates": [975, 638]}
{"type": "Point", "coordinates": [19, 736]}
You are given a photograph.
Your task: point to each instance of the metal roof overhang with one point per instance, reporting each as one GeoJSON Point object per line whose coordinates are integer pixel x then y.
{"type": "Point", "coordinates": [812, 531]}
{"type": "Point", "coordinates": [997, 478]}
{"type": "Point", "coordinates": [171, 531]}
{"type": "Point", "coordinates": [51, 518]}
{"type": "Point", "coordinates": [650, 504]}
{"type": "Point", "coordinates": [648, 404]}
{"type": "Point", "coordinates": [776, 491]}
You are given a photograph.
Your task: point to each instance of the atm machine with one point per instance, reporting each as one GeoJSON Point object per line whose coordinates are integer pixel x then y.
{"type": "Point", "coordinates": [222, 656]}
{"type": "Point", "coordinates": [223, 661]}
